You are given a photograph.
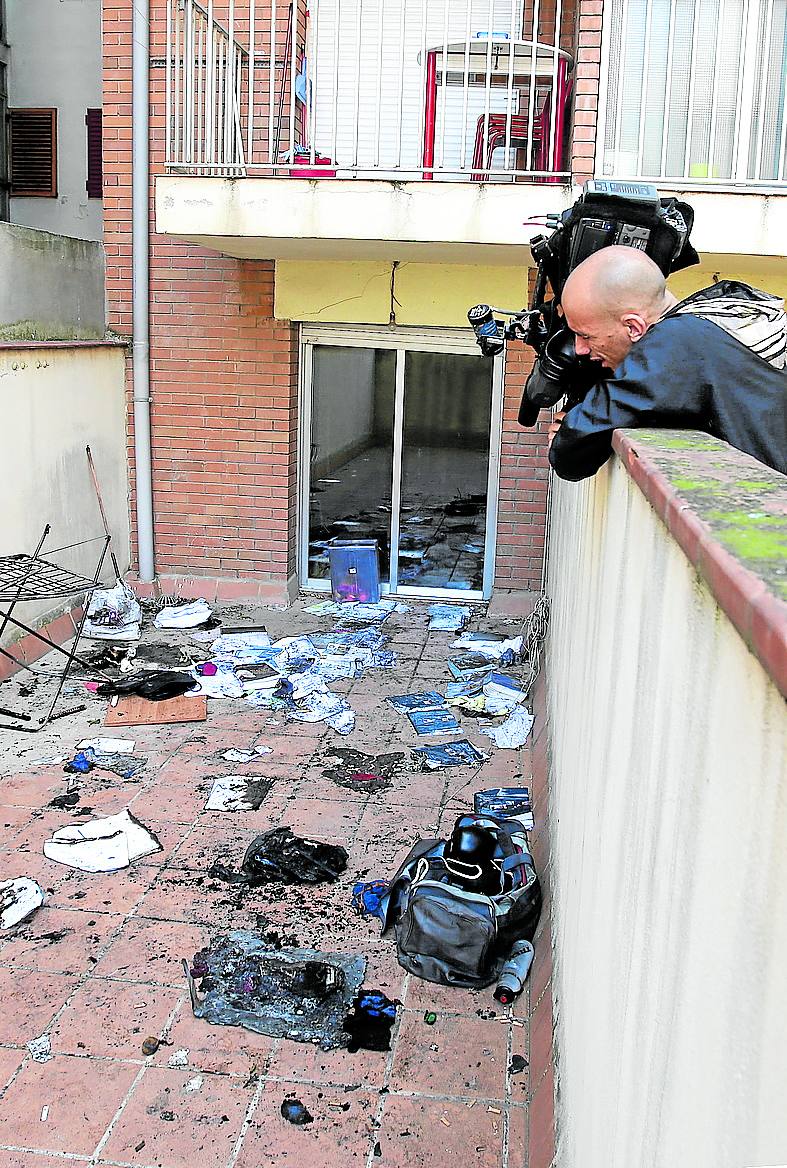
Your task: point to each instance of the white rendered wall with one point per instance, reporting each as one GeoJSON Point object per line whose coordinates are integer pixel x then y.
{"type": "Point", "coordinates": [54, 402]}
{"type": "Point", "coordinates": [55, 60]}
{"type": "Point", "coordinates": [668, 829]}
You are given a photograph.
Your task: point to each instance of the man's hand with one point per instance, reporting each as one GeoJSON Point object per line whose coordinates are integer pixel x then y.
{"type": "Point", "coordinates": [554, 426]}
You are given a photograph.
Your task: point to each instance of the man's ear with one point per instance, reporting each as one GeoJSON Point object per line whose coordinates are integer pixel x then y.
{"type": "Point", "coordinates": [635, 325]}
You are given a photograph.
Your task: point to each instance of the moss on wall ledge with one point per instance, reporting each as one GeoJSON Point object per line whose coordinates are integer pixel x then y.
{"type": "Point", "coordinates": [741, 501]}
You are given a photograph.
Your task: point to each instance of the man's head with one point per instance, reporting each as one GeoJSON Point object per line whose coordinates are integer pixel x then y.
{"type": "Point", "coordinates": [610, 301]}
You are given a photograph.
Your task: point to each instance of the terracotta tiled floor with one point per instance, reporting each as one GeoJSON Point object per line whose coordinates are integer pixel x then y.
{"type": "Point", "coordinates": [99, 967]}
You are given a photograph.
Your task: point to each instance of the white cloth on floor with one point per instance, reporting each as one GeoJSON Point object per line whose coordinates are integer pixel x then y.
{"type": "Point", "coordinates": [102, 845]}
{"type": "Point", "coordinates": [19, 899]}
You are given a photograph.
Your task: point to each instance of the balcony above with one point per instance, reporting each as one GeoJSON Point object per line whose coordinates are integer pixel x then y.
{"type": "Point", "coordinates": [335, 219]}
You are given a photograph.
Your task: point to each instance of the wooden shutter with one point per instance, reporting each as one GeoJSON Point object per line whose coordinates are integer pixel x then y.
{"type": "Point", "coordinates": [94, 161]}
{"type": "Point", "coordinates": [33, 149]}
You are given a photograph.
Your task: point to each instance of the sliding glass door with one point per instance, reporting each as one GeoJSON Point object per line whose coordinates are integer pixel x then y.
{"type": "Point", "coordinates": [400, 444]}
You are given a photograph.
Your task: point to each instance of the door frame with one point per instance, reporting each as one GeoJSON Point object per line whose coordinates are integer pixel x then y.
{"type": "Point", "coordinates": [448, 340]}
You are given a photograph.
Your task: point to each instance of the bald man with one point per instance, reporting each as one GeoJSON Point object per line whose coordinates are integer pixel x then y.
{"type": "Point", "coordinates": [713, 362]}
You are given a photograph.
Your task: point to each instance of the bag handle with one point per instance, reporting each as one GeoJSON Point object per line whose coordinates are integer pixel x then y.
{"type": "Point", "coordinates": [519, 860]}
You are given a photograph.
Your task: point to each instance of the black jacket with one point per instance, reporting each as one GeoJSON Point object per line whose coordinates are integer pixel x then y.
{"type": "Point", "coordinates": [685, 373]}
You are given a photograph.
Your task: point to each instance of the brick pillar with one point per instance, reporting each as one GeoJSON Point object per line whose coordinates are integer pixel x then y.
{"type": "Point", "coordinates": [223, 372]}
{"type": "Point", "coordinates": [586, 89]}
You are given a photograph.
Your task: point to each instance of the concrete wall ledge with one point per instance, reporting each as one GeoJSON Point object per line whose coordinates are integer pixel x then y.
{"type": "Point", "coordinates": [110, 342]}
{"type": "Point", "coordinates": [728, 513]}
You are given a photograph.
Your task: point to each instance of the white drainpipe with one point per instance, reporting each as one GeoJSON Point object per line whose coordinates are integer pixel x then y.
{"type": "Point", "coordinates": [140, 263]}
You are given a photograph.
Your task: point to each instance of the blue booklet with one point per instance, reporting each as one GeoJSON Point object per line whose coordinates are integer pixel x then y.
{"type": "Point", "coordinates": [428, 700]}
{"type": "Point", "coordinates": [433, 721]}
{"type": "Point", "coordinates": [461, 753]}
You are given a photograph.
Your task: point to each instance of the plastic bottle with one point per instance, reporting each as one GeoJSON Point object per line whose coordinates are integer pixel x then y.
{"type": "Point", "coordinates": [514, 973]}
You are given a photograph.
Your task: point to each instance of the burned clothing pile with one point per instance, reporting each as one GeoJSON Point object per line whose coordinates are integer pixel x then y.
{"type": "Point", "coordinates": [278, 856]}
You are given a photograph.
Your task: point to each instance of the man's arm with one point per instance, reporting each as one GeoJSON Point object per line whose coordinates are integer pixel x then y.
{"type": "Point", "coordinates": [584, 441]}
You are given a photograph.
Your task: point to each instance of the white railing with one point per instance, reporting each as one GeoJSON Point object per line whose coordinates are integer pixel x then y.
{"type": "Point", "coordinates": [452, 89]}
{"type": "Point", "coordinates": [695, 92]}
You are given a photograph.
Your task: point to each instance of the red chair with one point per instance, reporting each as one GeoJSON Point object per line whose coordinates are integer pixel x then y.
{"type": "Point", "coordinates": [496, 128]}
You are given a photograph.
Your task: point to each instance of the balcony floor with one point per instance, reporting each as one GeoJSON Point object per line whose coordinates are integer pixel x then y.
{"type": "Point", "coordinates": [98, 968]}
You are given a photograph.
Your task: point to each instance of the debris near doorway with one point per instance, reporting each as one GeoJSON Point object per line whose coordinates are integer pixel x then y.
{"type": "Point", "coordinates": [426, 700]}
{"type": "Point", "coordinates": [113, 614]}
{"type": "Point", "coordinates": [294, 1112]}
{"type": "Point", "coordinates": [137, 711]}
{"type": "Point", "coordinates": [300, 994]}
{"type": "Point", "coordinates": [448, 617]}
{"type": "Point", "coordinates": [152, 685]}
{"type": "Point", "coordinates": [278, 856]}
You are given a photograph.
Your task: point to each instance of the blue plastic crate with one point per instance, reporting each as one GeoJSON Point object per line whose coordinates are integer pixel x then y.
{"type": "Point", "coordinates": [355, 570]}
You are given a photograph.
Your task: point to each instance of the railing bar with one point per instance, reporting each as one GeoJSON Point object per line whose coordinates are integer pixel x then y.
{"type": "Point", "coordinates": [531, 96]}
{"type": "Point", "coordinates": [241, 168]}
{"type": "Point", "coordinates": [176, 86]}
{"type": "Point", "coordinates": [714, 104]}
{"type": "Point", "coordinates": [272, 83]}
{"type": "Point", "coordinates": [668, 88]}
{"type": "Point", "coordinates": [380, 13]}
{"type": "Point", "coordinates": [444, 84]}
{"type": "Point", "coordinates": [229, 82]}
{"type": "Point", "coordinates": [466, 83]}
{"type": "Point", "coordinates": [403, 10]}
{"type": "Point", "coordinates": [490, 20]}
{"type": "Point", "coordinates": [514, 35]}
{"type": "Point", "coordinates": [311, 83]}
{"type": "Point", "coordinates": [198, 97]}
{"type": "Point", "coordinates": [554, 149]}
{"type": "Point", "coordinates": [357, 87]}
{"type": "Point", "coordinates": [692, 80]}
{"type": "Point", "coordinates": [252, 62]}
{"type": "Point", "coordinates": [220, 106]}
{"type": "Point", "coordinates": [335, 119]}
{"type": "Point", "coordinates": [621, 84]}
{"type": "Point", "coordinates": [739, 90]}
{"type": "Point", "coordinates": [762, 87]}
{"type": "Point", "coordinates": [190, 87]}
{"type": "Point", "coordinates": [422, 88]}
{"type": "Point", "coordinates": [783, 147]}
{"type": "Point", "coordinates": [293, 71]}
{"type": "Point", "coordinates": [168, 88]}
{"type": "Point", "coordinates": [643, 89]}
{"type": "Point", "coordinates": [210, 94]}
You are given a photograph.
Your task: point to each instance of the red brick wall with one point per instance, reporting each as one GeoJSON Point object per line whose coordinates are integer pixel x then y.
{"type": "Point", "coordinates": [523, 485]}
{"type": "Point", "coordinates": [586, 88]}
{"type": "Point", "coordinates": [223, 371]}
{"type": "Point", "coordinates": [224, 384]}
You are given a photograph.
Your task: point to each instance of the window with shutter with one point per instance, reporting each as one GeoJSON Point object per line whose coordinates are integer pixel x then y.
{"type": "Point", "coordinates": [94, 162]}
{"type": "Point", "coordinates": [33, 152]}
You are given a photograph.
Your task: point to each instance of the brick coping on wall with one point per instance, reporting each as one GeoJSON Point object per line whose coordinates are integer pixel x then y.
{"type": "Point", "coordinates": [728, 513]}
{"type": "Point", "coordinates": [110, 342]}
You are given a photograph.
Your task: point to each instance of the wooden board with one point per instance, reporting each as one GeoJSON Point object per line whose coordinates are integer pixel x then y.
{"type": "Point", "coordinates": [136, 711]}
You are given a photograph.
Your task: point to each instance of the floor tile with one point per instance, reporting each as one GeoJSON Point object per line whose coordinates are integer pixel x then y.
{"type": "Point", "coordinates": [151, 951]}
{"type": "Point", "coordinates": [222, 1049]}
{"type": "Point", "coordinates": [78, 1114]}
{"type": "Point", "coordinates": [60, 940]}
{"type": "Point", "coordinates": [176, 1118]}
{"type": "Point", "coordinates": [112, 1019]}
{"type": "Point", "coordinates": [463, 1056]}
{"type": "Point", "coordinates": [30, 1003]}
{"type": "Point", "coordinates": [10, 1061]}
{"type": "Point", "coordinates": [340, 1134]}
{"type": "Point", "coordinates": [423, 1133]}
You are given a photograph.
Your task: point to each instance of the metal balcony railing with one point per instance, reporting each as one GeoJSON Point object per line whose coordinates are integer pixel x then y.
{"type": "Point", "coordinates": [694, 92]}
{"type": "Point", "coordinates": [458, 89]}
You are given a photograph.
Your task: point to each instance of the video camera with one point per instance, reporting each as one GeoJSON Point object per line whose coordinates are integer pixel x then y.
{"type": "Point", "coordinates": [628, 214]}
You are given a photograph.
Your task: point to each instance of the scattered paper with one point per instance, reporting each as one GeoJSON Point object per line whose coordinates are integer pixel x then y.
{"type": "Point", "coordinates": [238, 793]}
{"type": "Point", "coordinates": [425, 700]}
{"type": "Point", "coordinates": [180, 1058]}
{"type": "Point", "coordinates": [102, 845]}
{"type": "Point", "coordinates": [19, 899]}
{"type": "Point", "coordinates": [246, 755]}
{"type": "Point", "coordinates": [439, 721]}
{"type": "Point", "coordinates": [108, 745]}
{"type": "Point", "coordinates": [460, 753]}
{"type": "Point", "coordinates": [513, 732]}
{"type": "Point", "coordinates": [448, 617]}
